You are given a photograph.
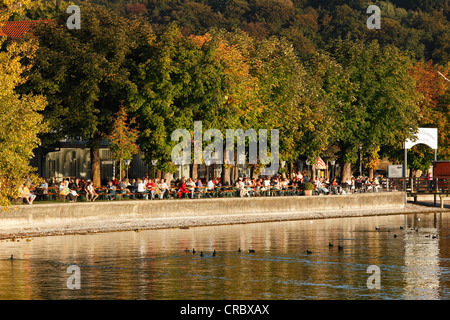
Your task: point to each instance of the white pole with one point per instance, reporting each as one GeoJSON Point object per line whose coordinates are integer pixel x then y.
{"type": "Point", "coordinates": [405, 168]}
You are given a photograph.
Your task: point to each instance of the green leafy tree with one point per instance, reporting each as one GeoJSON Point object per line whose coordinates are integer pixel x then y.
{"type": "Point", "coordinates": [20, 122]}
{"type": "Point", "coordinates": [385, 109]}
{"type": "Point", "coordinates": [89, 74]}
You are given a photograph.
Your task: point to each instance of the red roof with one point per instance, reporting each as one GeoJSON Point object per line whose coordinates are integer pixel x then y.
{"type": "Point", "coordinates": [16, 29]}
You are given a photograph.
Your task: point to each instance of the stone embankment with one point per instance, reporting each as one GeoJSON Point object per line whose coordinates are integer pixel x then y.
{"type": "Point", "coordinates": [124, 215]}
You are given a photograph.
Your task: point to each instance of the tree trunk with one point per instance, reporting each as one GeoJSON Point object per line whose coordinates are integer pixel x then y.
{"type": "Point", "coordinates": [371, 173]}
{"type": "Point", "coordinates": [95, 162]}
{"type": "Point", "coordinates": [167, 176]}
{"type": "Point", "coordinates": [226, 175]}
{"type": "Point", "coordinates": [291, 170]}
{"type": "Point", "coordinates": [194, 172]}
{"type": "Point", "coordinates": [120, 169]}
{"type": "Point", "coordinates": [346, 171]}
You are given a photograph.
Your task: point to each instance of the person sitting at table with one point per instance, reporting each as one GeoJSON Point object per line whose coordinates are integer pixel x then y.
{"type": "Point", "coordinates": [151, 188]}
{"type": "Point", "coordinates": [72, 185]}
{"type": "Point", "coordinates": [266, 184]}
{"type": "Point", "coordinates": [44, 187]}
{"type": "Point", "coordinates": [320, 186]}
{"type": "Point", "coordinates": [111, 190]}
{"type": "Point", "coordinates": [182, 188]}
{"type": "Point", "coordinates": [91, 194]}
{"type": "Point", "coordinates": [249, 185]}
{"type": "Point", "coordinates": [158, 191]}
{"type": "Point", "coordinates": [199, 186]}
{"type": "Point", "coordinates": [334, 182]}
{"type": "Point", "coordinates": [190, 185]}
{"type": "Point", "coordinates": [241, 186]}
{"type": "Point", "coordinates": [65, 191]}
{"type": "Point", "coordinates": [140, 188]}
{"type": "Point", "coordinates": [375, 185]}
{"type": "Point", "coordinates": [210, 185]}
{"type": "Point", "coordinates": [121, 187]}
{"type": "Point", "coordinates": [165, 190]}
{"type": "Point", "coordinates": [132, 186]}
{"type": "Point", "coordinates": [26, 194]}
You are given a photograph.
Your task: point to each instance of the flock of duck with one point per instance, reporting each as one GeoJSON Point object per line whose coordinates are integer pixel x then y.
{"type": "Point", "coordinates": [416, 229]}
{"type": "Point", "coordinates": [214, 252]}
{"type": "Point", "coordinates": [340, 247]}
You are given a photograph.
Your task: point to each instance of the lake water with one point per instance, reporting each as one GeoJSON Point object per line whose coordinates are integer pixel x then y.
{"type": "Point", "coordinates": [153, 264]}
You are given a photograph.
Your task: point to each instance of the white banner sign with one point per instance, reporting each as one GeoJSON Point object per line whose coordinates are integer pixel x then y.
{"type": "Point", "coordinates": [427, 136]}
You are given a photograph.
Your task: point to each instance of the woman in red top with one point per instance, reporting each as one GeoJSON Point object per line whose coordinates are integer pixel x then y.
{"type": "Point", "coordinates": [183, 188]}
{"type": "Point", "coordinates": [151, 188]}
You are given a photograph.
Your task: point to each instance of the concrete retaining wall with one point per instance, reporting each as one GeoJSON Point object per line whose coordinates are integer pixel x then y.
{"type": "Point", "coordinates": [144, 209]}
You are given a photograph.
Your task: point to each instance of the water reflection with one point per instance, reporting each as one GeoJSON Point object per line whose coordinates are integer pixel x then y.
{"type": "Point", "coordinates": [154, 264]}
{"type": "Point", "coordinates": [422, 261]}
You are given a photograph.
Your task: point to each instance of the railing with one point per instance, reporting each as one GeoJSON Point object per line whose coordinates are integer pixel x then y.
{"type": "Point", "coordinates": [421, 185]}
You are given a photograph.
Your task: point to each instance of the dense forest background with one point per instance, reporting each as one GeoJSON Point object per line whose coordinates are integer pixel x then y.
{"type": "Point", "coordinates": [419, 27]}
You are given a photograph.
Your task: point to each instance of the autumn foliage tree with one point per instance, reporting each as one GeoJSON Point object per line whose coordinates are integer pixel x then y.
{"type": "Point", "coordinates": [123, 138]}
{"type": "Point", "coordinates": [20, 122]}
{"type": "Point", "coordinates": [434, 110]}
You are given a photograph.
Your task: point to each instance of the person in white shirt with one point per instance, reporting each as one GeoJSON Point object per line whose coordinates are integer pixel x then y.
{"type": "Point", "coordinates": [320, 187]}
{"type": "Point", "coordinates": [190, 185]}
{"type": "Point", "coordinates": [140, 188]}
{"type": "Point", "coordinates": [242, 190]}
{"type": "Point", "coordinates": [164, 187]}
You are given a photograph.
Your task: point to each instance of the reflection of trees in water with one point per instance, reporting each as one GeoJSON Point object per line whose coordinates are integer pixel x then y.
{"type": "Point", "coordinates": [153, 264]}
{"type": "Point", "coordinates": [422, 270]}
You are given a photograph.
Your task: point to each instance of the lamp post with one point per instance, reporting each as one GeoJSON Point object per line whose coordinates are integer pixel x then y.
{"type": "Point", "coordinates": [360, 161]}
{"type": "Point", "coordinates": [308, 163]}
{"type": "Point", "coordinates": [207, 163]}
{"type": "Point", "coordinates": [154, 162]}
{"type": "Point", "coordinates": [127, 163]}
{"type": "Point", "coordinates": [333, 162]}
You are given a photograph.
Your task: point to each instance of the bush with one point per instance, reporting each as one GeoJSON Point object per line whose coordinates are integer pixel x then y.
{"type": "Point", "coordinates": [309, 186]}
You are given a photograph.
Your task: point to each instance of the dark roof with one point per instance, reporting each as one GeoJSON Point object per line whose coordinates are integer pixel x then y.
{"type": "Point", "coordinates": [16, 29]}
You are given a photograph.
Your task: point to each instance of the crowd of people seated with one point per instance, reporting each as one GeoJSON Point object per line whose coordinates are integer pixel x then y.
{"type": "Point", "coordinates": [162, 188]}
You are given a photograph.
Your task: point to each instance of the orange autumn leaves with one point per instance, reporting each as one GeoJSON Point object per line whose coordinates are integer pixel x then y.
{"type": "Point", "coordinates": [241, 94]}
{"type": "Point", "coordinates": [435, 101]}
